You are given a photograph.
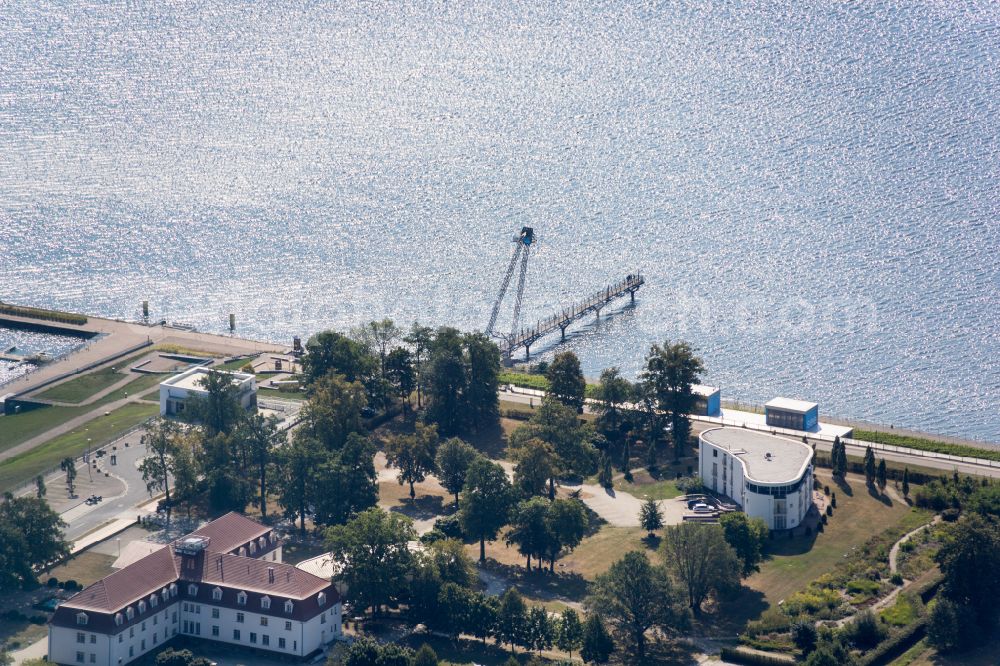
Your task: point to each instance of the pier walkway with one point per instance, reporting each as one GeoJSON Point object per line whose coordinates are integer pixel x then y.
{"type": "Point", "coordinates": [561, 320]}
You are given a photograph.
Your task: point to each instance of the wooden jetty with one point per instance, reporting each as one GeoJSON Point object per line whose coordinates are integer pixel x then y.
{"type": "Point", "coordinates": [561, 320]}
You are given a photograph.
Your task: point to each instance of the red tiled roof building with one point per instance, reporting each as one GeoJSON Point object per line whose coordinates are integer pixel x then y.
{"type": "Point", "coordinates": [224, 582]}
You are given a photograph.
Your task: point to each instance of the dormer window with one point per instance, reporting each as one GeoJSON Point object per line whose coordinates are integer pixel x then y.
{"type": "Point", "coordinates": [321, 598]}
{"type": "Point", "coordinates": [81, 619]}
{"type": "Point", "coordinates": [154, 601]}
{"type": "Point", "coordinates": [173, 589]}
{"type": "Point", "coordinates": [241, 598]}
{"type": "Point", "coordinates": [142, 607]}
{"type": "Point", "coordinates": [217, 594]}
{"type": "Point", "coordinates": [265, 603]}
{"type": "Point", "coordinates": [289, 606]}
{"type": "Point", "coordinates": [165, 595]}
{"type": "Point", "coordinates": [262, 542]}
{"type": "Point", "coordinates": [119, 619]}
{"type": "Point", "coordinates": [129, 613]}
{"type": "Point", "coordinates": [192, 590]}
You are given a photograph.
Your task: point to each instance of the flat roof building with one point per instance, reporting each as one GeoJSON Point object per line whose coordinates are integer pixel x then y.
{"type": "Point", "coordinates": [174, 392]}
{"type": "Point", "coordinates": [708, 400]}
{"type": "Point", "coordinates": [770, 477]}
{"type": "Point", "coordinates": [791, 414]}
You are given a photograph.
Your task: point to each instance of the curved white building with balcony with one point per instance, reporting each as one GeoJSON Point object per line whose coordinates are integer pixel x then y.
{"type": "Point", "coordinates": [770, 477]}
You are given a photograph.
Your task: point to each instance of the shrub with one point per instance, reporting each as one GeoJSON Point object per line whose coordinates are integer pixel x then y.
{"type": "Point", "coordinates": [71, 585]}
{"type": "Point", "coordinates": [861, 586]}
{"type": "Point", "coordinates": [771, 621]}
{"type": "Point", "coordinates": [950, 515]}
{"type": "Point", "coordinates": [812, 601]}
{"type": "Point", "coordinates": [897, 579]}
{"type": "Point", "coordinates": [52, 582]}
{"type": "Point", "coordinates": [690, 484]}
{"type": "Point", "coordinates": [896, 645]}
{"type": "Point", "coordinates": [833, 500]}
{"type": "Point", "coordinates": [826, 490]}
{"type": "Point", "coordinates": [829, 509]}
{"type": "Point", "coordinates": [37, 619]}
{"type": "Point", "coordinates": [804, 636]}
{"type": "Point", "coordinates": [823, 519]}
{"type": "Point", "coordinates": [864, 631]}
{"type": "Point", "coordinates": [449, 526]}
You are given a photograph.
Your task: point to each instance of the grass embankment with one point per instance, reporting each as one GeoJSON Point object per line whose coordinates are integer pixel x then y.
{"type": "Point", "coordinates": [80, 388]}
{"type": "Point", "coordinates": [538, 382]}
{"type": "Point", "coordinates": [859, 516]}
{"type": "Point", "coordinates": [40, 313]}
{"type": "Point", "coordinates": [264, 392]}
{"type": "Point", "coordinates": [923, 444]}
{"type": "Point", "coordinates": [99, 431]}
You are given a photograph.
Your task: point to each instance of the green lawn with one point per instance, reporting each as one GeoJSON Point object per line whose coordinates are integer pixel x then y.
{"type": "Point", "coordinates": [80, 388]}
{"type": "Point", "coordinates": [100, 430]}
{"type": "Point", "coordinates": [923, 444]}
{"type": "Point", "coordinates": [793, 563]}
{"type": "Point", "coordinates": [281, 395]}
{"type": "Point", "coordinates": [17, 428]}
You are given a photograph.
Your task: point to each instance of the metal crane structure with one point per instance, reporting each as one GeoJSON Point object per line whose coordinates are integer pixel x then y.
{"type": "Point", "coordinates": [560, 321]}
{"type": "Point", "coordinates": [522, 249]}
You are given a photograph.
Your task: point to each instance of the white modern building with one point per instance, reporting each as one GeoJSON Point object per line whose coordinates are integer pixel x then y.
{"type": "Point", "coordinates": [770, 477]}
{"type": "Point", "coordinates": [223, 583]}
{"type": "Point", "coordinates": [174, 392]}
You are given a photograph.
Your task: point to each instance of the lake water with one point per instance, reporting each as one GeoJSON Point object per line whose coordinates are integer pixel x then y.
{"type": "Point", "coordinates": [19, 342]}
{"type": "Point", "coordinates": [811, 188]}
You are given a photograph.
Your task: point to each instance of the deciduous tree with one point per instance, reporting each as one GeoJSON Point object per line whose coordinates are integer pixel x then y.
{"type": "Point", "coordinates": [566, 382]}
{"type": "Point", "coordinates": [413, 455]}
{"type": "Point", "coordinates": [637, 596]}
{"type": "Point", "coordinates": [569, 635]}
{"type": "Point", "coordinates": [701, 560]}
{"type": "Point", "coordinates": [512, 619]}
{"type": "Point", "coordinates": [670, 373]}
{"type": "Point", "coordinates": [374, 556]}
{"type": "Point", "coordinates": [747, 537]}
{"type": "Point", "coordinates": [453, 459]}
{"type": "Point", "coordinates": [869, 466]}
{"type": "Point", "coordinates": [613, 392]}
{"type": "Point", "coordinates": [488, 498]}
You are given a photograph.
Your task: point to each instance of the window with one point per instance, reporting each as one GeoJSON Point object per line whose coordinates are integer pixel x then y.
{"type": "Point", "coordinates": [289, 606]}
{"type": "Point", "coordinates": [265, 603]}
{"type": "Point", "coordinates": [144, 626]}
{"type": "Point", "coordinates": [215, 630]}
{"type": "Point", "coordinates": [154, 601]}
{"type": "Point", "coordinates": [119, 619]}
{"type": "Point", "coordinates": [236, 634]}
{"type": "Point", "coordinates": [155, 638]}
{"type": "Point", "coordinates": [79, 657]}
{"type": "Point", "coordinates": [81, 619]}
{"type": "Point", "coordinates": [121, 638]}
{"type": "Point", "coordinates": [321, 598]}
{"type": "Point", "coordinates": [715, 453]}
{"type": "Point", "coordinates": [156, 619]}
{"type": "Point", "coordinates": [192, 590]}
{"type": "Point", "coordinates": [165, 595]}
{"type": "Point", "coordinates": [173, 589]}
{"type": "Point", "coordinates": [241, 598]}
{"type": "Point", "coordinates": [174, 617]}
{"type": "Point", "coordinates": [322, 618]}
{"type": "Point", "coordinates": [288, 625]}
{"type": "Point", "coordinates": [265, 639]}
{"type": "Point", "coordinates": [93, 638]}
{"type": "Point", "coordinates": [263, 621]}
{"type": "Point", "coordinates": [142, 607]}
{"type": "Point", "coordinates": [253, 637]}
{"type": "Point", "coordinates": [131, 632]}
{"type": "Point", "coordinates": [131, 650]}
{"type": "Point", "coordinates": [93, 658]}
{"type": "Point", "coordinates": [215, 613]}
{"type": "Point", "coordinates": [239, 617]}
{"type": "Point", "coordinates": [281, 643]}
{"type": "Point", "coordinates": [142, 644]}
{"type": "Point", "coordinates": [129, 613]}
{"type": "Point", "coordinates": [81, 637]}
{"type": "Point", "coordinates": [217, 594]}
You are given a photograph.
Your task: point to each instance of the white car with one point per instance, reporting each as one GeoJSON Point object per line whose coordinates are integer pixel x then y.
{"type": "Point", "coordinates": [701, 507]}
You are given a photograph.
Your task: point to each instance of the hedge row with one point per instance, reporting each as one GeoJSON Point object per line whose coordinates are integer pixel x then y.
{"type": "Point", "coordinates": [888, 650]}
{"type": "Point", "coordinates": [38, 313]}
{"type": "Point", "coordinates": [923, 444]}
{"type": "Point", "coordinates": [738, 656]}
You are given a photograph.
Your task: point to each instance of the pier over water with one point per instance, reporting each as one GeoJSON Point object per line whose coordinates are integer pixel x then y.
{"type": "Point", "coordinates": [561, 320]}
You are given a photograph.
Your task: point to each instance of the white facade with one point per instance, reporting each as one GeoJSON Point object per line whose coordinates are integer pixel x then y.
{"type": "Point", "coordinates": [224, 583]}
{"type": "Point", "coordinates": [769, 477]}
{"type": "Point", "coordinates": [175, 391]}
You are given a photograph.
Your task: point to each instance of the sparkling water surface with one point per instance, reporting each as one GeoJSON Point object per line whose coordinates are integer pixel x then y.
{"type": "Point", "coordinates": [811, 188]}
